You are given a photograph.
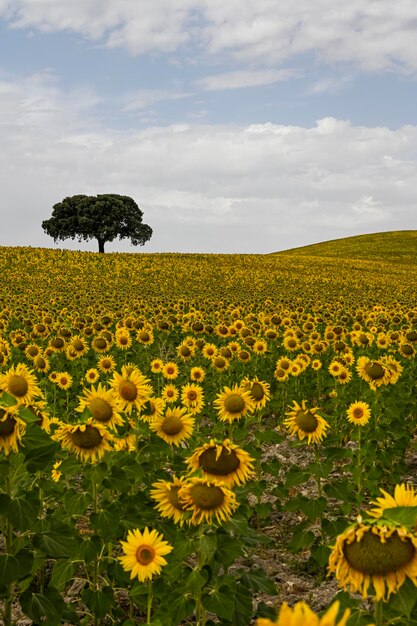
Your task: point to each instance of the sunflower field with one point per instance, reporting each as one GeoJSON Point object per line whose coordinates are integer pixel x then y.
{"type": "Point", "coordinates": [210, 439]}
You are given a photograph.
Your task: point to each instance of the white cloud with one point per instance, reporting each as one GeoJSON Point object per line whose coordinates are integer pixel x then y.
{"type": "Point", "coordinates": [255, 188]}
{"type": "Point", "coordinates": [376, 35]}
{"type": "Point", "coordinates": [242, 78]}
{"type": "Point", "coordinates": [144, 98]}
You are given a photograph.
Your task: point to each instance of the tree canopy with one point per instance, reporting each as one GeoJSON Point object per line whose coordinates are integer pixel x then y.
{"type": "Point", "coordinates": [103, 217]}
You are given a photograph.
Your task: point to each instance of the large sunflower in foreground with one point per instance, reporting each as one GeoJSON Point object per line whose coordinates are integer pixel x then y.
{"type": "Point", "coordinates": [165, 493]}
{"type": "Point", "coordinates": [225, 462]}
{"type": "Point", "coordinates": [302, 615]}
{"type": "Point", "coordinates": [21, 383]}
{"type": "Point", "coordinates": [377, 554]}
{"type": "Point", "coordinates": [174, 425]}
{"type": "Point", "coordinates": [132, 388]}
{"type": "Point", "coordinates": [103, 405]}
{"type": "Point", "coordinates": [207, 499]}
{"type": "Point", "coordinates": [404, 495]}
{"type": "Point", "coordinates": [144, 553]}
{"type": "Point", "coordinates": [306, 422]}
{"type": "Point", "coordinates": [89, 441]}
{"type": "Point", "coordinates": [12, 427]}
{"type": "Point", "coordinates": [233, 403]}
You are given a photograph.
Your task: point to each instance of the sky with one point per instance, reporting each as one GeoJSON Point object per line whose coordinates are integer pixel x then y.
{"type": "Point", "coordinates": [238, 126]}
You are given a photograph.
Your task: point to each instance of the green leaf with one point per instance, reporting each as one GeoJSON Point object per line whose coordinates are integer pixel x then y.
{"type": "Point", "coordinates": [76, 503]}
{"type": "Point", "coordinates": [320, 554]}
{"type": "Point", "coordinates": [105, 522]}
{"type": "Point", "coordinates": [220, 602]}
{"type": "Point", "coordinates": [7, 400]}
{"type": "Point", "coordinates": [338, 490]}
{"type": "Point", "coordinates": [404, 515]}
{"type": "Point", "coordinates": [405, 598]}
{"type": "Point", "coordinates": [227, 550]}
{"type": "Point", "coordinates": [207, 547]}
{"type": "Point", "coordinates": [55, 544]}
{"type": "Point", "coordinates": [23, 514]}
{"type": "Point", "coordinates": [50, 605]}
{"type": "Point", "coordinates": [62, 574]}
{"type": "Point", "coordinates": [9, 569]}
{"type": "Point", "coordinates": [196, 581]}
{"type": "Point", "coordinates": [314, 508]}
{"type": "Point", "coordinates": [257, 580]}
{"type": "Point", "coordinates": [98, 601]}
{"type": "Point", "coordinates": [4, 504]}
{"type": "Point", "coordinates": [90, 548]}
{"type": "Point", "coordinates": [301, 540]}
{"type": "Point", "coordinates": [25, 560]}
{"type": "Point", "coordinates": [295, 477]}
{"type": "Point", "coordinates": [243, 606]}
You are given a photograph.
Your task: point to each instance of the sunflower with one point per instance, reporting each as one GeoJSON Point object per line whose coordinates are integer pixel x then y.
{"type": "Point", "coordinates": [170, 393]}
{"type": "Point", "coordinates": [88, 441]}
{"type": "Point", "coordinates": [133, 389]}
{"type": "Point", "coordinates": [106, 364]}
{"type": "Point", "coordinates": [197, 374]}
{"type": "Point", "coordinates": [260, 346]}
{"type": "Point", "coordinates": [185, 351]}
{"type": "Point", "coordinates": [154, 407]}
{"type": "Point", "coordinates": [103, 405]}
{"type": "Point", "coordinates": [209, 351]}
{"type": "Point", "coordinates": [302, 615]}
{"type": "Point", "coordinates": [316, 364]}
{"type": "Point", "coordinates": [244, 356]}
{"type": "Point", "coordinates": [170, 370]}
{"type": "Point", "coordinates": [123, 339]}
{"type": "Point", "coordinates": [280, 374]}
{"type": "Point", "coordinates": [21, 383]}
{"type": "Point", "coordinates": [207, 499]}
{"type": "Point", "coordinates": [220, 363]}
{"type": "Point", "coordinates": [344, 376]}
{"type": "Point", "coordinates": [233, 403]}
{"type": "Point", "coordinates": [145, 336]}
{"type": "Point", "coordinates": [12, 427]}
{"type": "Point", "coordinates": [305, 422]}
{"type": "Point", "coordinates": [92, 375]}
{"type": "Point", "coordinates": [64, 380]}
{"type": "Point", "coordinates": [258, 391]}
{"type": "Point", "coordinates": [377, 554]}
{"type": "Point", "coordinates": [32, 350]}
{"type": "Point", "coordinates": [404, 495]}
{"type": "Point", "coordinates": [225, 462]}
{"type": "Point", "coordinates": [144, 553]}
{"type": "Point", "coordinates": [166, 495]}
{"type": "Point", "coordinates": [373, 372]}
{"type": "Point", "coordinates": [359, 413]}
{"type": "Point", "coordinates": [78, 345]}
{"type": "Point", "coordinates": [192, 397]}
{"type": "Point", "coordinates": [174, 426]}
{"type": "Point", "coordinates": [156, 366]}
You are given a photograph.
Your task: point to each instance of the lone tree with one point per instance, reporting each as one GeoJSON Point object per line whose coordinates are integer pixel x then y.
{"type": "Point", "coordinates": [103, 217]}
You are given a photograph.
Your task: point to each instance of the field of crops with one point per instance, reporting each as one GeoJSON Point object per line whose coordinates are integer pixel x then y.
{"type": "Point", "coordinates": [176, 428]}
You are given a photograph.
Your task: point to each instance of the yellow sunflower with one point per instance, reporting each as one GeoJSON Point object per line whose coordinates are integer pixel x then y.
{"type": "Point", "coordinates": [306, 422]}
{"type": "Point", "coordinates": [258, 391]}
{"type": "Point", "coordinates": [144, 553]}
{"type": "Point", "coordinates": [404, 495]}
{"type": "Point", "coordinates": [197, 374]}
{"type": "Point", "coordinates": [64, 380]}
{"type": "Point", "coordinates": [206, 500]}
{"type": "Point", "coordinates": [92, 375]}
{"type": "Point", "coordinates": [100, 344]}
{"type": "Point", "coordinates": [156, 366]}
{"type": "Point", "coordinates": [192, 397]}
{"type": "Point", "coordinates": [21, 383]}
{"type": "Point", "coordinates": [225, 462]}
{"type": "Point", "coordinates": [103, 404]}
{"type": "Point", "coordinates": [106, 364]}
{"type": "Point", "coordinates": [302, 615]}
{"type": "Point", "coordinates": [12, 427]}
{"type": "Point", "coordinates": [170, 370]}
{"type": "Point", "coordinates": [132, 388]}
{"type": "Point", "coordinates": [233, 403]}
{"type": "Point", "coordinates": [155, 407]}
{"type": "Point", "coordinates": [174, 426]}
{"type": "Point", "coordinates": [373, 372]}
{"type": "Point", "coordinates": [374, 553]}
{"type": "Point", "coordinates": [359, 413]}
{"type": "Point", "coordinates": [89, 441]}
{"type": "Point", "coordinates": [165, 493]}
{"type": "Point", "coordinates": [170, 393]}
{"type": "Point", "coordinates": [123, 339]}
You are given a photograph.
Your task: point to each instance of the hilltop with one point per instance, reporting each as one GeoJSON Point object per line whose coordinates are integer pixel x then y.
{"type": "Point", "coordinates": [395, 246]}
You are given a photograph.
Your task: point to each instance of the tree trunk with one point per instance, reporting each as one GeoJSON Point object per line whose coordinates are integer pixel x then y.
{"type": "Point", "coordinates": [101, 245]}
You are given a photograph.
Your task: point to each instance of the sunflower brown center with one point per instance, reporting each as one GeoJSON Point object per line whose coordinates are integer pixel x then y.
{"type": "Point", "coordinates": [185, 351]}
{"type": "Point", "coordinates": [374, 558]}
{"type": "Point", "coordinates": [40, 362]}
{"type": "Point", "coordinates": [78, 345]}
{"type": "Point", "coordinates": [207, 497]}
{"type": "Point", "coordinates": [33, 350]}
{"type": "Point", "coordinates": [18, 386]}
{"type": "Point", "coordinates": [234, 403]}
{"type": "Point", "coordinates": [144, 336]}
{"type": "Point", "coordinates": [407, 349]}
{"type": "Point", "coordinates": [88, 438]}
{"type": "Point", "coordinates": [375, 370]}
{"type": "Point", "coordinates": [128, 390]}
{"type": "Point", "coordinates": [100, 409]}
{"type": "Point", "coordinates": [145, 554]}
{"type": "Point", "coordinates": [226, 463]}
{"type": "Point", "coordinates": [219, 362]}
{"type": "Point", "coordinates": [306, 421]}
{"type": "Point", "coordinates": [101, 343]}
{"type": "Point", "coordinates": [357, 413]}
{"type": "Point", "coordinates": [7, 426]}
{"type": "Point", "coordinates": [192, 395]}
{"type": "Point", "coordinates": [172, 425]}
{"type": "Point", "coordinates": [172, 497]}
{"type": "Point", "coordinates": [257, 392]}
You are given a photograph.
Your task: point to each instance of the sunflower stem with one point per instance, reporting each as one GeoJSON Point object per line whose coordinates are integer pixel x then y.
{"type": "Point", "coordinates": [378, 607]}
{"type": "Point", "coordinates": [8, 544]}
{"type": "Point", "coordinates": [359, 483]}
{"type": "Point", "coordinates": [149, 603]}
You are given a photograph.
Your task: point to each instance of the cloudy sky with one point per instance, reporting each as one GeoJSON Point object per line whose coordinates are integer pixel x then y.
{"type": "Point", "coordinates": [245, 126]}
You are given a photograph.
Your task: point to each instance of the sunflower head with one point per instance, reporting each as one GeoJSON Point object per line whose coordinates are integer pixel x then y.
{"type": "Point", "coordinates": [225, 462]}
{"type": "Point", "coordinates": [306, 422]}
{"type": "Point", "coordinates": [144, 553]}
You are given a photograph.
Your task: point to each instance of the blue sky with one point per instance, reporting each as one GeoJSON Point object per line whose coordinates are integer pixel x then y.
{"type": "Point", "coordinates": [238, 126]}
